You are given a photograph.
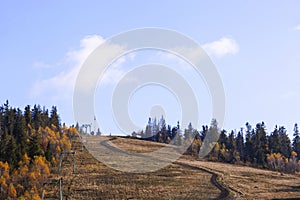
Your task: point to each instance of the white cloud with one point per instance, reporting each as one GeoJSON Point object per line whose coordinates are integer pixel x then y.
{"type": "Point", "coordinates": [57, 89]}
{"type": "Point", "coordinates": [87, 45]}
{"type": "Point", "coordinates": [63, 82]}
{"type": "Point", "coordinates": [297, 28]}
{"type": "Point", "coordinates": [218, 48]}
{"type": "Point", "coordinates": [61, 85]}
{"type": "Point", "coordinates": [222, 47]}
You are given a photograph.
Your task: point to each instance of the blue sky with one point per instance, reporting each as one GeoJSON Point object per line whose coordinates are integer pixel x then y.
{"type": "Point", "coordinates": [255, 46]}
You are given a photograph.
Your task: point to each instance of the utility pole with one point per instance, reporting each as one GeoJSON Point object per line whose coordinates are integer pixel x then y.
{"type": "Point", "coordinates": [61, 159]}
{"type": "Point", "coordinates": [58, 182]}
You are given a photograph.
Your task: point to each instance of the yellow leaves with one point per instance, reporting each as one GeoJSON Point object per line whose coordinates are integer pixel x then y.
{"type": "Point", "coordinates": [275, 156]}
{"type": "Point", "coordinates": [32, 176]}
{"type": "Point", "coordinates": [277, 161]}
{"type": "Point", "coordinates": [26, 181]}
{"type": "Point", "coordinates": [12, 191]}
{"type": "Point", "coordinates": [3, 182]}
{"type": "Point", "coordinates": [217, 147]}
{"type": "Point", "coordinates": [4, 170]}
{"type": "Point", "coordinates": [40, 167]}
{"type": "Point", "coordinates": [7, 188]}
{"type": "Point", "coordinates": [4, 166]}
{"type": "Point", "coordinates": [53, 127]}
{"type": "Point", "coordinates": [25, 160]}
{"type": "Point", "coordinates": [294, 154]}
{"type": "Point", "coordinates": [58, 149]}
{"type": "Point", "coordinates": [32, 194]}
{"type": "Point", "coordinates": [36, 197]}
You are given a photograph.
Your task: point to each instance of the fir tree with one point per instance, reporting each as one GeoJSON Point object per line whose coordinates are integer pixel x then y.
{"type": "Point", "coordinates": [296, 141]}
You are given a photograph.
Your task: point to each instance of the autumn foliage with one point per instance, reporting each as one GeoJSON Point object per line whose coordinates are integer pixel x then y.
{"type": "Point", "coordinates": [30, 144]}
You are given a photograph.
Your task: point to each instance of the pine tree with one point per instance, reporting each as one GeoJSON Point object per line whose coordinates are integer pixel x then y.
{"type": "Point", "coordinates": [223, 139]}
{"type": "Point", "coordinates": [54, 118]}
{"type": "Point", "coordinates": [28, 116]}
{"type": "Point", "coordinates": [260, 144]}
{"type": "Point", "coordinates": [210, 139]}
{"type": "Point", "coordinates": [20, 134]}
{"type": "Point", "coordinates": [188, 133]}
{"type": "Point", "coordinates": [285, 143]}
{"type": "Point", "coordinates": [232, 147]}
{"type": "Point", "coordinates": [189, 137]}
{"type": "Point", "coordinates": [203, 132]}
{"type": "Point", "coordinates": [34, 148]}
{"type": "Point", "coordinates": [11, 153]}
{"type": "Point", "coordinates": [148, 131]}
{"type": "Point", "coordinates": [36, 117]}
{"type": "Point", "coordinates": [275, 142]}
{"type": "Point", "coordinates": [296, 141]}
{"type": "Point", "coordinates": [240, 145]}
{"type": "Point", "coordinates": [49, 152]}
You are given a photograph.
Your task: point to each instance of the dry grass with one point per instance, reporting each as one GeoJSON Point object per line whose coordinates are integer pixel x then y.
{"type": "Point", "coordinates": [251, 183]}
{"type": "Point", "coordinates": [136, 146]}
{"type": "Point", "coordinates": [95, 180]}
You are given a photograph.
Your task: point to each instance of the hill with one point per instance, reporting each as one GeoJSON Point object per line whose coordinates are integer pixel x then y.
{"type": "Point", "coordinates": [187, 178]}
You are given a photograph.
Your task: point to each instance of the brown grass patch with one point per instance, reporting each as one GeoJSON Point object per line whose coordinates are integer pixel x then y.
{"type": "Point", "coordinates": [251, 183]}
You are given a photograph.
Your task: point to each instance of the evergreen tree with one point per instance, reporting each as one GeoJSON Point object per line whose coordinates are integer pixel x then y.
{"type": "Point", "coordinates": [285, 142]}
{"type": "Point", "coordinates": [170, 135]}
{"type": "Point", "coordinates": [148, 131]}
{"type": "Point", "coordinates": [232, 147]}
{"type": "Point", "coordinates": [188, 133]}
{"type": "Point", "coordinates": [54, 118]}
{"type": "Point", "coordinates": [28, 116]}
{"type": "Point", "coordinates": [36, 117]}
{"type": "Point", "coordinates": [34, 148]}
{"type": "Point", "coordinates": [223, 139]}
{"type": "Point", "coordinates": [203, 132]}
{"type": "Point", "coordinates": [10, 151]}
{"type": "Point", "coordinates": [189, 137]}
{"type": "Point", "coordinates": [275, 145]}
{"type": "Point", "coordinates": [20, 134]}
{"type": "Point", "coordinates": [210, 139]}
{"type": "Point", "coordinates": [249, 151]}
{"type": "Point", "coordinates": [49, 152]}
{"type": "Point", "coordinates": [45, 121]}
{"type": "Point", "coordinates": [296, 141]}
{"type": "Point", "coordinates": [240, 145]}
{"type": "Point", "coordinates": [260, 144]}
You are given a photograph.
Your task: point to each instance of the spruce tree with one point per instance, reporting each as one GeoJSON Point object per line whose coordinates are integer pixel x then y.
{"type": "Point", "coordinates": [260, 144]}
{"type": "Point", "coordinates": [275, 145]}
{"type": "Point", "coordinates": [240, 145]}
{"type": "Point", "coordinates": [296, 141]}
{"type": "Point", "coordinates": [285, 142]}
{"type": "Point", "coordinates": [54, 118]}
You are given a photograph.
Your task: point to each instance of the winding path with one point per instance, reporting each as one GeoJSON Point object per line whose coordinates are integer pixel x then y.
{"type": "Point", "coordinates": [224, 191]}
{"type": "Point", "coordinates": [214, 176]}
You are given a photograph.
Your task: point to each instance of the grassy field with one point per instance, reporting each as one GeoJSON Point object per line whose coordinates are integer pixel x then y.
{"type": "Point", "coordinates": [187, 178]}
{"type": "Point", "coordinates": [251, 183]}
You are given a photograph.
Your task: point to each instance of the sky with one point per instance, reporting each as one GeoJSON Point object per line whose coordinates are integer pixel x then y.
{"type": "Point", "coordinates": [255, 46]}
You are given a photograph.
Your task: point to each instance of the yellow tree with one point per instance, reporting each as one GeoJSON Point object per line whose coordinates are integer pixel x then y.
{"type": "Point", "coordinates": [4, 179]}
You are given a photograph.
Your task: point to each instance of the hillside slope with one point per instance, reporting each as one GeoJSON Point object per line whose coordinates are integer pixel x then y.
{"type": "Point", "coordinates": [185, 179]}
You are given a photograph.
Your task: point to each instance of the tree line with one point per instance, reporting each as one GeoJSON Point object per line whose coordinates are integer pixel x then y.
{"type": "Point", "coordinates": [252, 146]}
{"type": "Point", "coordinates": [30, 143]}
